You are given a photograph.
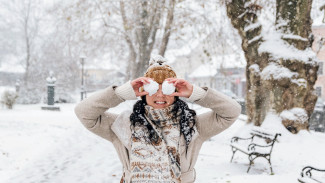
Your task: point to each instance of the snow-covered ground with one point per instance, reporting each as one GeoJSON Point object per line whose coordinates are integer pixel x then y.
{"type": "Point", "coordinates": [50, 146]}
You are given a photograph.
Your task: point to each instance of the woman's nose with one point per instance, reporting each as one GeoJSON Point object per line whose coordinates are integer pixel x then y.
{"type": "Point", "coordinates": [160, 93]}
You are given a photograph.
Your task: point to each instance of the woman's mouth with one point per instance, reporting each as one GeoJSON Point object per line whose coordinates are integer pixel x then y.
{"type": "Point", "coordinates": [160, 102]}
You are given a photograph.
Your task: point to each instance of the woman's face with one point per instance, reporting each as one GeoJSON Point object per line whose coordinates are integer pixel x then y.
{"type": "Point", "coordinates": [159, 100]}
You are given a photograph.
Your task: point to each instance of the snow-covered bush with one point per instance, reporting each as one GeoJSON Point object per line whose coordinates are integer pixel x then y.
{"type": "Point", "coordinates": [8, 98]}
{"type": "Point", "coordinates": [29, 96]}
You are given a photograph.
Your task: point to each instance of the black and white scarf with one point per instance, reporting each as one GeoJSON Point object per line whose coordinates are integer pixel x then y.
{"type": "Point", "coordinates": [155, 141]}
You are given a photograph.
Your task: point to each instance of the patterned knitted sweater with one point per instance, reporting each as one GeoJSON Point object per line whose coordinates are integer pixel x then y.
{"type": "Point", "coordinates": [157, 162]}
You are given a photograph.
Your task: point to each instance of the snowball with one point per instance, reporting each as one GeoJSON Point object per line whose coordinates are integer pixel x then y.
{"type": "Point", "coordinates": [151, 88]}
{"type": "Point", "coordinates": [168, 88]}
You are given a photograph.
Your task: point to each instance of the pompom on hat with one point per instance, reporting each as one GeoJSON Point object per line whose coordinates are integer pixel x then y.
{"type": "Point", "coordinates": [158, 70]}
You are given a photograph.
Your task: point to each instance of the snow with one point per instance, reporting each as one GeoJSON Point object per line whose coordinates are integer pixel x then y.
{"type": "Point", "coordinates": [252, 26]}
{"type": "Point", "coordinates": [292, 36]}
{"type": "Point", "coordinates": [278, 48]}
{"type": "Point", "coordinates": [154, 60]}
{"type": "Point", "coordinates": [11, 64]}
{"type": "Point", "coordinates": [51, 79]}
{"type": "Point", "coordinates": [52, 146]}
{"type": "Point", "coordinates": [317, 14]}
{"type": "Point", "coordinates": [276, 71]}
{"type": "Point", "coordinates": [152, 87]}
{"type": "Point", "coordinates": [168, 88]}
{"type": "Point", "coordinates": [254, 39]}
{"type": "Point", "coordinates": [300, 82]}
{"type": "Point", "coordinates": [295, 114]}
{"type": "Point", "coordinates": [318, 21]}
{"type": "Point", "coordinates": [255, 68]}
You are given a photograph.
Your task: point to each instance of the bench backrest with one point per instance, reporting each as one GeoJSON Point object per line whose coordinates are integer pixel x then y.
{"type": "Point", "coordinates": [269, 138]}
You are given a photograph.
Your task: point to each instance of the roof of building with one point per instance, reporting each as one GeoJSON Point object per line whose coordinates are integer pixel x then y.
{"type": "Point", "coordinates": [205, 70]}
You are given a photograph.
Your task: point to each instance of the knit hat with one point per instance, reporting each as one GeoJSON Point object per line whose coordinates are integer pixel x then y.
{"type": "Point", "coordinates": [158, 69]}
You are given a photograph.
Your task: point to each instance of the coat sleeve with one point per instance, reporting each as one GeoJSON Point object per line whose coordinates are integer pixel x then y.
{"type": "Point", "coordinates": [91, 112]}
{"type": "Point", "coordinates": [224, 112]}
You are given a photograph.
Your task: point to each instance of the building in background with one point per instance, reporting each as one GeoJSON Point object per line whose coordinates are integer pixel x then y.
{"type": "Point", "coordinates": [99, 77]}
{"type": "Point", "coordinates": [319, 48]}
{"type": "Point", "coordinates": [10, 72]}
{"type": "Point", "coordinates": [204, 75]}
{"type": "Point", "coordinates": [223, 69]}
{"type": "Point", "coordinates": [231, 81]}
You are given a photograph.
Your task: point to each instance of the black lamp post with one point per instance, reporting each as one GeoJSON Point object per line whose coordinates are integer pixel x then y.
{"type": "Point", "coordinates": [17, 85]}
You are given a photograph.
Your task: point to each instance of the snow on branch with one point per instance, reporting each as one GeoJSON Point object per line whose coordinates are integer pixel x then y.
{"type": "Point", "coordinates": [278, 48]}
{"type": "Point", "coordinates": [295, 114]}
{"type": "Point", "coordinates": [281, 23]}
{"type": "Point", "coordinates": [300, 82]}
{"type": "Point", "coordinates": [255, 68]}
{"type": "Point", "coordinates": [276, 71]}
{"type": "Point", "coordinates": [256, 38]}
{"type": "Point", "coordinates": [292, 36]}
{"type": "Point", "coordinates": [252, 26]}
{"type": "Point", "coordinates": [241, 15]}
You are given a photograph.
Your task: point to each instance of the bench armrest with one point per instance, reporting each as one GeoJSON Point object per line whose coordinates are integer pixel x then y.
{"type": "Point", "coordinates": [235, 139]}
{"type": "Point", "coordinates": [306, 171]}
{"type": "Point", "coordinates": [252, 146]}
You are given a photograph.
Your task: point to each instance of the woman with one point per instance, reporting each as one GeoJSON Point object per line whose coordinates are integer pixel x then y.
{"type": "Point", "coordinates": [160, 139]}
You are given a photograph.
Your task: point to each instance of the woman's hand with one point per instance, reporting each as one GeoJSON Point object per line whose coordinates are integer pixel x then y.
{"type": "Point", "coordinates": [137, 84]}
{"type": "Point", "coordinates": [184, 88]}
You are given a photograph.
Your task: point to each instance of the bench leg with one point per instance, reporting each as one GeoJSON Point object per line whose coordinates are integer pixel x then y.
{"type": "Point", "coordinates": [269, 160]}
{"type": "Point", "coordinates": [233, 153]}
{"type": "Point", "coordinates": [300, 181]}
{"type": "Point", "coordinates": [251, 161]}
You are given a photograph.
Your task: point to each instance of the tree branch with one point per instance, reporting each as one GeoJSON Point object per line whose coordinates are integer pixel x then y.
{"type": "Point", "coordinates": [167, 31]}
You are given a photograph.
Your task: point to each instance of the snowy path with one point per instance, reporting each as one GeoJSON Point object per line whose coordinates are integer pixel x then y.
{"type": "Point", "coordinates": [44, 146]}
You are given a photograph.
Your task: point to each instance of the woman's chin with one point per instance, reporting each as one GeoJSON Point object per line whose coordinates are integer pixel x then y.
{"type": "Point", "coordinates": [160, 106]}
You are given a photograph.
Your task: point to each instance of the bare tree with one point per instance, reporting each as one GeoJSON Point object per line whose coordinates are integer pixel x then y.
{"type": "Point", "coordinates": [29, 22]}
{"type": "Point", "coordinates": [23, 17]}
{"type": "Point", "coordinates": [140, 30]}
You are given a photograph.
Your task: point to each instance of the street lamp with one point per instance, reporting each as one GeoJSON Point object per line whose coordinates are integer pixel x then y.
{"type": "Point", "coordinates": [82, 60]}
{"type": "Point", "coordinates": [17, 85]}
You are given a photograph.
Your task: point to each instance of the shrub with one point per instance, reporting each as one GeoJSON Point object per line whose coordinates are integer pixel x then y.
{"type": "Point", "coordinates": [9, 98]}
{"type": "Point", "coordinates": [29, 96]}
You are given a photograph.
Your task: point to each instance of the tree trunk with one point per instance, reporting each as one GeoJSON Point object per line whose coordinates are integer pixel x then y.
{"type": "Point", "coordinates": [128, 39]}
{"type": "Point", "coordinates": [147, 26]}
{"type": "Point", "coordinates": [293, 18]}
{"type": "Point", "coordinates": [267, 90]}
{"type": "Point", "coordinates": [27, 42]}
{"type": "Point", "coordinates": [140, 34]}
{"type": "Point", "coordinates": [168, 25]}
{"type": "Point", "coordinates": [242, 18]}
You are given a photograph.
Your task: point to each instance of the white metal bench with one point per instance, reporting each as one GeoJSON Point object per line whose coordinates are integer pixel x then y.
{"type": "Point", "coordinates": [308, 177]}
{"type": "Point", "coordinates": [259, 144]}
